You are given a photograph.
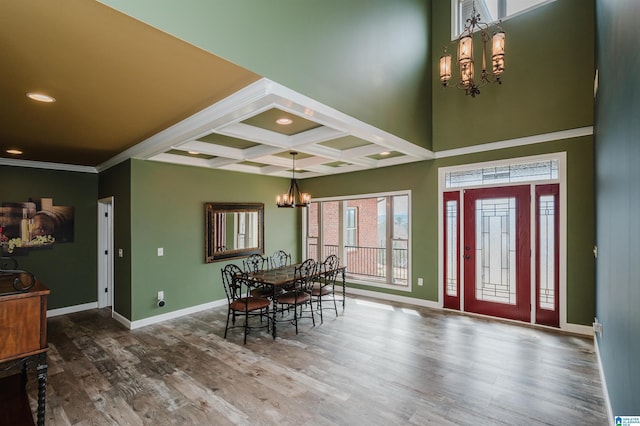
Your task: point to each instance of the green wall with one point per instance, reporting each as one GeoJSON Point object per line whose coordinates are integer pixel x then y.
{"type": "Point", "coordinates": [115, 182]}
{"type": "Point", "coordinates": [371, 59]}
{"type": "Point", "coordinates": [367, 58]}
{"type": "Point", "coordinates": [422, 179]}
{"type": "Point", "coordinates": [68, 269]}
{"type": "Point", "coordinates": [548, 78]}
{"type": "Point", "coordinates": [618, 201]}
{"type": "Point", "coordinates": [167, 210]}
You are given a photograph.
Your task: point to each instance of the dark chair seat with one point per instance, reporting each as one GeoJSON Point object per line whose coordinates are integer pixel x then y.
{"type": "Point", "coordinates": [321, 290]}
{"type": "Point", "coordinates": [294, 298]}
{"type": "Point", "coordinates": [249, 304]}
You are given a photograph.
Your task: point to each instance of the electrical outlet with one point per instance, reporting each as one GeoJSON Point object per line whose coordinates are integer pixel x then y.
{"type": "Point", "coordinates": [120, 253]}
{"type": "Point", "coordinates": [420, 282]}
{"type": "Point", "coordinates": [597, 327]}
{"type": "Point", "coordinates": [160, 251]}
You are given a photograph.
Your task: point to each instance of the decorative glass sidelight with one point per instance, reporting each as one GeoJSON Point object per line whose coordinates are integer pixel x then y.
{"type": "Point", "coordinates": [451, 256]}
{"type": "Point", "coordinates": [547, 252]}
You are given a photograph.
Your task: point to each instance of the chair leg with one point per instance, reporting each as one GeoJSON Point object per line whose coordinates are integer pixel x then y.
{"type": "Point", "coordinates": [226, 327]}
{"type": "Point", "coordinates": [246, 325]}
{"type": "Point", "coordinates": [319, 303]}
{"type": "Point", "coordinates": [313, 318]}
{"type": "Point", "coordinates": [335, 306]}
{"type": "Point", "coordinates": [267, 314]}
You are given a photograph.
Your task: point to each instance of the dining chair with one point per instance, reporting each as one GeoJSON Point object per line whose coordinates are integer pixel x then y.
{"type": "Point", "coordinates": [298, 295]}
{"type": "Point", "coordinates": [280, 259]}
{"type": "Point", "coordinates": [255, 263]}
{"type": "Point", "coordinates": [324, 285]}
{"type": "Point", "coordinates": [238, 289]}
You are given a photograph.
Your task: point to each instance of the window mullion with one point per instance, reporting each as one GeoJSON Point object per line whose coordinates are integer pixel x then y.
{"type": "Point", "coordinates": [341, 236]}
{"type": "Point", "coordinates": [320, 243]}
{"type": "Point", "coordinates": [389, 241]}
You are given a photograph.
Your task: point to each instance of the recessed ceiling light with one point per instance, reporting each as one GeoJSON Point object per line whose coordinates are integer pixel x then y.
{"type": "Point", "coordinates": [40, 97]}
{"type": "Point", "coordinates": [385, 153]}
{"type": "Point", "coordinates": [284, 121]}
{"type": "Point", "coordinates": [14, 151]}
{"type": "Point", "coordinates": [193, 152]}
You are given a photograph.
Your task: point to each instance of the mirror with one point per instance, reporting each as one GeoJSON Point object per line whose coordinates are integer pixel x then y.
{"type": "Point", "coordinates": [233, 230]}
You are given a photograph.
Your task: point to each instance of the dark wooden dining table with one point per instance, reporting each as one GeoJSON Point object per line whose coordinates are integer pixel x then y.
{"type": "Point", "coordinates": [277, 278]}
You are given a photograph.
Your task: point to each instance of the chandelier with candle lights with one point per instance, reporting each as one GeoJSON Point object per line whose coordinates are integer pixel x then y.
{"type": "Point", "coordinates": [468, 82]}
{"type": "Point", "coordinates": [293, 198]}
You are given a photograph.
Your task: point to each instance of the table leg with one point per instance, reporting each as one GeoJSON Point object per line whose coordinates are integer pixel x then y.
{"type": "Point", "coordinates": [42, 387]}
{"type": "Point", "coordinates": [274, 300]}
{"type": "Point", "coordinates": [343, 287]}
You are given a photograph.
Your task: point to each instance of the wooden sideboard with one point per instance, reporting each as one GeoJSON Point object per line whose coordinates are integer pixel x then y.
{"type": "Point", "coordinates": [23, 343]}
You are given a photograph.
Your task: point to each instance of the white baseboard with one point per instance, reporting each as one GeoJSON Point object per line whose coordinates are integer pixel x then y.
{"type": "Point", "coordinates": [569, 328]}
{"type": "Point", "coordinates": [394, 298]}
{"type": "Point", "coordinates": [132, 325]}
{"type": "Point", "coordinates": [71, 309]}
{"type": "Point", "coordinates": [585, 330]}
{"type": "Point", "coordinates": [122, 320]}
{"type": "Point", "coordinates": [605, 389]}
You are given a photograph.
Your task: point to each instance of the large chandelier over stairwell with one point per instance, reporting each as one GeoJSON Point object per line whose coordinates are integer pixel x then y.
{"type": "Point", "coordinates": [468, 81]}
{"type": "Point", "coordinates": [293, 198]}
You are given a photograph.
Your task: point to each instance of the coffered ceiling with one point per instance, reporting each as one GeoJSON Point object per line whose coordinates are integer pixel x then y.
{"type": "Point", "coordinates": [125, 90]}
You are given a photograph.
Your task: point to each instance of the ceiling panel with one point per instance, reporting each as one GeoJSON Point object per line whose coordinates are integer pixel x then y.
{"type": "Point", "coordinates": [127, 90]}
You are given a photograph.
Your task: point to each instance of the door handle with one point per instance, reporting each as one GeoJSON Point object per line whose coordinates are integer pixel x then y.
{"type": "Point", "coordinates": [467, 256]}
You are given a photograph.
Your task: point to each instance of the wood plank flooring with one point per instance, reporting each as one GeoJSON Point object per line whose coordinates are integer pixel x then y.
{"type": "Point", "coordinates": [375, 364]}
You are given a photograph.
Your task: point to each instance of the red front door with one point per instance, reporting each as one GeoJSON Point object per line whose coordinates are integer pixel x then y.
{"type": "Point", "coordinates": [496, 252]}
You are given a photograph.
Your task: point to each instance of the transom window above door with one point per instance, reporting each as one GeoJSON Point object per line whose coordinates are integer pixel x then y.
{"type": "Point", "coordinates": [505, 173]}
{"type": "Point", "coordinates": [489, 10]}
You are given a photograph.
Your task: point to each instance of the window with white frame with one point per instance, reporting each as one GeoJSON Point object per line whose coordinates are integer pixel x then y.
{"type": "Point", "coordinates": [490, 10]}
{"type": "Point", "coordinates": [369, 233]}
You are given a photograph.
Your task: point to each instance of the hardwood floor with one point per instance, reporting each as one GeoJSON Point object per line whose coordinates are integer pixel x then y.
{"type": "Point", "coordinates": [376, 364]}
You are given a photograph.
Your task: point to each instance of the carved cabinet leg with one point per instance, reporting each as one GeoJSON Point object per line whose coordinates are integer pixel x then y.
{"type": "Point", "coordinates": [42, 388]}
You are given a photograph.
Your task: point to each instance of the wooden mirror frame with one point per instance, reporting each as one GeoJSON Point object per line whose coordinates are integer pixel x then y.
{"type": "Point", "coordinates": [210, 211]}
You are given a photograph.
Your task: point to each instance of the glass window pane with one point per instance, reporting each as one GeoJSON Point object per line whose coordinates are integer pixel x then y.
{"type": "Point", "coordinates": [312, 230]}
{"type": "Point", "coordinates": [452, 248]}
{"type": "Point", "coordinates": [351, 226]}
{"type": "Point", "coordinates": [330, 228]}
{"type": "Point", "coordinates": [401, 217]}
{"type": "Point", "coordinates": [359, 232]}
{"type": "Point", "coordinates": [510, 173]}
{"type": "Point", "coordinates": [547, 243]}
{"type": "Point", "coordinates": [496, 250]}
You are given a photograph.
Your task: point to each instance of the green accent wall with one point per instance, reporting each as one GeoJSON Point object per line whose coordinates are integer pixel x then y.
{"type": "Point", "coordinates": [422, 179]}
{"type": "Point", "coordinates": [69, 270]}
{"type": "Point", "coordinates": [618, 201]}
{"type": "Point", "coordinates": [167, 210]}
{"type": "Point", "coordinates": [366, 58]}
{"type": "Point", "coordinates": [547, 83]}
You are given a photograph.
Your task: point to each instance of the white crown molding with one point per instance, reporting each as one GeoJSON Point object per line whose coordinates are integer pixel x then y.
{"type": "Point", "coordinates": [47, 166]}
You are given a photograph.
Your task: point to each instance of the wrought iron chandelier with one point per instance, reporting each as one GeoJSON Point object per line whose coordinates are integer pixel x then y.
{"type": "Point", "coordinates": [468, 82]}
{"type": "Point", "coordinates": [293, 198]}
